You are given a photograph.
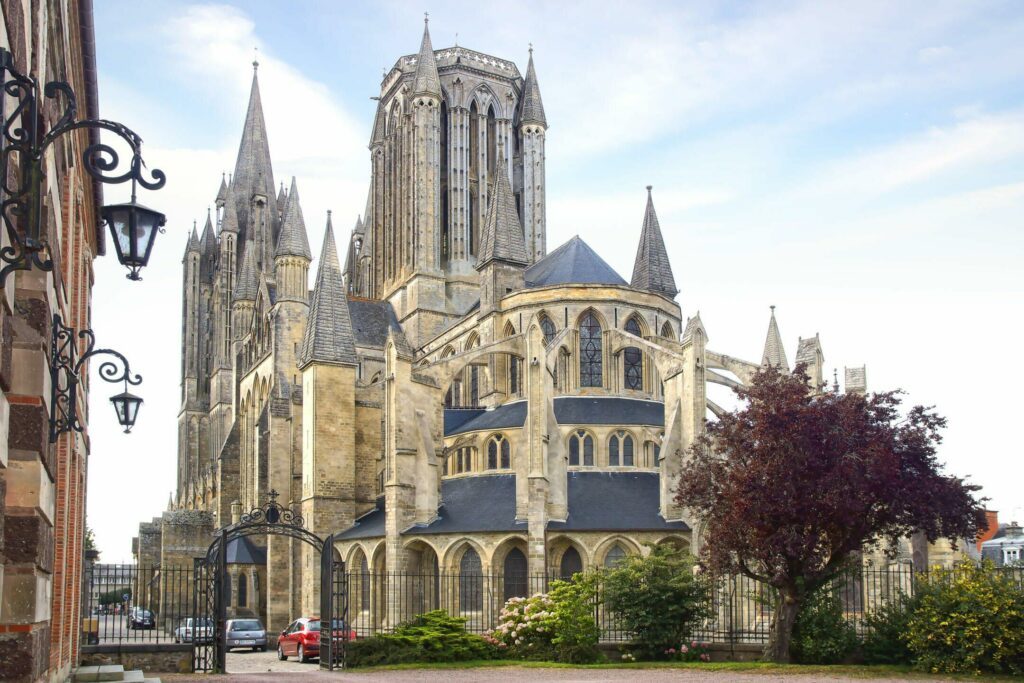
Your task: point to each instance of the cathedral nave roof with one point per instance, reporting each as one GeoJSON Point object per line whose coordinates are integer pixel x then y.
{"type": "Point", "coordinates": [572, 263]}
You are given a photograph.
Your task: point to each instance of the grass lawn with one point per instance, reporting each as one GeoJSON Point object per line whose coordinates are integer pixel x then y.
{"type": "Point", "coordinates": [848, 670]}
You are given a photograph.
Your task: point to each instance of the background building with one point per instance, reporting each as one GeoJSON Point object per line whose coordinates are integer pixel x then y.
{"type": "Point", "coordinates": [42, 485]}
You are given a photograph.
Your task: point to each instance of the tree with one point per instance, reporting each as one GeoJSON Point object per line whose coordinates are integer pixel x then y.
{"type": "Point", "coordinates": [789, 485]}
{"type": "Point", "coordinates": [90, 540]}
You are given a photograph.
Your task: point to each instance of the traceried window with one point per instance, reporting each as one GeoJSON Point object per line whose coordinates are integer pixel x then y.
{"type": "Point", "coordinates": [571, 563]}
{"type": "Point", "coordinates": [474, 385]}
{"type": "Point", "coordinates": [620, 450]}
{"type": "Point", "coordinates": [548, 328]}
{"type": "Point", "coordinates": [633, 360]}
{"type": "Point", "coordinates": [515, 574]}
{"type": "Point", "coordinates": [590, 351]}
{"type": "Point", "coordinates": [581, 449]}
{"type": "Point", "coordinates": [614, 556]}
{"type": "Point", "coordinates": [463, 461]}
{"type": "Point", "coordinates": [513, 375]}
{"type": "Point", "coordinates": [471, 595]}
{"type": "Point", "coordinates": [499, 453]}
{"type": "Point", "coordinates": [666, 330]}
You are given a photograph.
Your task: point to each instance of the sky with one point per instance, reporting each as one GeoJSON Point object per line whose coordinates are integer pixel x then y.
{"type": "Point", "coordinates": [858, 165]}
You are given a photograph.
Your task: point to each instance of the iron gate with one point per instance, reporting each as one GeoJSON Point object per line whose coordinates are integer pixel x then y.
{"type": "Point", "coordinates": [334, 623]}
{"type": "Point", "coordinates": [204, 612]}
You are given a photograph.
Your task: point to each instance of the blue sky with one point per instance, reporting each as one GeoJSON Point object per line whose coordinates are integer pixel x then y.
{"type": "Point", "coordinates": [859, 165]}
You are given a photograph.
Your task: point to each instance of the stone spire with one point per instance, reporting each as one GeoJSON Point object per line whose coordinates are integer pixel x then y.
{"type": "Point", "coordinates": [328, 337]}
{"type": "Point", "coordinates": [379, 125]}
{"type": "Point", "coordinates": [502, 238]}
{"type": "Point", "coordinates": [193, 240]}
{"type": "Point", "coordinates": [222, 193]}
{"type": "Point", "coordinates": [774, 352]}
{"type": "Point", "coordinates": [282, 198]}
{"type": "Point", "coordinates": [651, 269]}
{"type": "Point", "coordinates": [253, 171]}
{"type": "Point", "coordinates": [248, 284]}
{"type": "Point", "coordinates": [292, 240]}
{"type": "Point", "coordinates": [533, 106]}
{"type": "Point", "coordinates": [426, 80]}
{"type": "Point", "coordinates": [229, 219]}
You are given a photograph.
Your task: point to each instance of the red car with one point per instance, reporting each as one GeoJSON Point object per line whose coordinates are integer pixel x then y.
{"type": "Point", "coordinates": [302, 638]}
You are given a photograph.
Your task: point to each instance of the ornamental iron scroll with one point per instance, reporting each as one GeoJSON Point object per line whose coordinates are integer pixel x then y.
{"type": "Point", "coordinates": [269, 518]}
{"type": "Point", "coordinates": [272, 512]}
{"type": "Point", "coordinates": [66, 365]}
{"type": "Point", "coordinates": [22, 203]}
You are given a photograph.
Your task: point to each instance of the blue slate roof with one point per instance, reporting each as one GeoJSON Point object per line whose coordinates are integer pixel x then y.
{"type": "Point", "coordinates": [371, 321]}
{"type": "Point", "coordinates": [572, 263]}
{"type": "Point", "coordinates": [572, 410]}
{"type": "Point", "coordinates": [598, 501]}
{"type": "Point", "coordinates": [243, 551]}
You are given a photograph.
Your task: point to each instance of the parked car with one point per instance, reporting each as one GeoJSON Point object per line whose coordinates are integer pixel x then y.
{"type": "Point", "coordinates": [302, 638]}
{"type": "Point", "coordinates": [194, 631]}
{"type": "Point", "coordinates": [141, 618]}
{"type": "Point", "coordinates": [245, 633]}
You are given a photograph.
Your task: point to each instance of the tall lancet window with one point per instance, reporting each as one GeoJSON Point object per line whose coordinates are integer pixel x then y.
{"type": "Point", "coordinates": [633, 360]}
{"type": "Point", "coordinates": [591, 351]}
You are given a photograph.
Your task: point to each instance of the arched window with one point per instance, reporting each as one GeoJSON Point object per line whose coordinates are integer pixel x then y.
{"type": "Point", "coordinates": [590, 351]}
{"type": "Point", "coordinates": [474, 385]}
{"type": "Point", "coordinates": [666, 330]}
{"type": "Point", "coordinates": [499, 453]}
{"type": "Point", "coordinates": [448, 398]}
{"type": "Point", "coordinates": [614, 556]}
{"type": "Point", "coordinates": [243, 590]}
{"type": "Point", "coordinates": [633, 360]}
{"type": "Point", "coordinates": [471, 595]}
{"type": "Point", "coordinates": [651, 454]}
{"type": "Point", "coordinates": [581, 449]}
{"type": "Point", "coordinates": [515, 574]}
{"type": "Point", "coordinates": [364, 583]}
{"type": "Point", "coordinates": [464, 460]}
{"type": "Point", "coordinates": [513, 375]}
{"type": "Point", "coordinates": [620, 450]}
{"type": "Point", "coordinates": [571, 563]}
{"type": "Point", "coordinates": [548, 328]}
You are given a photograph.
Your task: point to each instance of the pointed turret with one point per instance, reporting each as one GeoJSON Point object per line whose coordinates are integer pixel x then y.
{"type": "Point", "coordinates": [355, 242]}
{"type": "Point", "coordinates": [774, 352]}
{"type": "Point", "coordinates": [292, 240]}
{"type": "Point", "coordinates": [229, 219]}
{"type": "Point", "coordinates": [328, 337]}
{"type": "Point", "coordinates": [282, 199]}
{"type": "Point", "coordinates": [222, 193]}
{"type": "Point", "coordinates": [193, 240]}
{"type": "Point", "coordinates": [502, 238]}
{"type": "Point", "coordinates": [651, 269]}
{"type": "Point", "coordinates": [248, 284]}
{"type": "Point", "coordinates": [379, 126]}
{"type": "Point", "coordinates": [533, 107]}
{"type": "Point", "coordinates": [209, 239]}
{"type": "Point", "coordinates": [426, 81]}
{"type": "Point", "coordinates": [254, 174]}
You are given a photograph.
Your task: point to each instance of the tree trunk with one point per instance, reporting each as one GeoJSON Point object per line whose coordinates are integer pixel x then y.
{"type": "Point", "coordinates": [786, 609]}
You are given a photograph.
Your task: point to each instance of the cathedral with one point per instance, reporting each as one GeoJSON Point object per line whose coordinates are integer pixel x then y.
{"type": "Point", "coordinates": [451, 398]}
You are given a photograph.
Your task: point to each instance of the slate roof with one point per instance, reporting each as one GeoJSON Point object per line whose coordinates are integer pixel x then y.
{"type": "Point", "coordinates": [208, 247]}
{"type": "Point", "coordinates": [651, 268]}
{"type": "Point", "coordinates": [371, 321]}
{"type": "Point", "coordinates": [328, 336]}
{"type": "Point", "coordinates": [502, 238]}
{"type": "Point", "coordinates": [243, 551]}
{"type": "Point", "coordinates": [247, 285]}
{"type": "Point", "coordinates": [253, 170]}
{"type": "Point", "coordinates": [533, 107]}
{"type": "Point", "coordinates": [193, 240]}
{"type": "Point", "coordinates": [572, 263]}
{"type": "Point", "coordinates": [229, 218]}
{"type": "Point", "coordinates": [222, 193]}
{"type": "Point", "coordinates": [774, 352]}
{"type": "Point", "coordinates": [569, 410]}
{"type": "Point", "coordinates": [426, 80]}
{"type": "Point", "coordinates": [598, 501]}
{"type": "Point", "coordinates": [292, 240]}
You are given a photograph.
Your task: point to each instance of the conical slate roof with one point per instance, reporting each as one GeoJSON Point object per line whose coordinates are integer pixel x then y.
{"type": "Point", "coordinates": [651, 269]}
{"type": "Point", "coordinates": [572, 263]}
{"type": "Point", "coordinates": [533, 106]}
{"type": "Point", "coordinates": [248, 285]}
{"type": "Point", "coordinates": [292, 240]}
{"type": "Point", "coordinates": [193, 240]}
{"type": "Point", "coordinates": [208, 247]}
{"type": "Point", "coordinates": [426, 80]}
{"type": "Point", "coordinates": [229, 219]}
{"type": "Point", "coordinates": [774, 352]}
{"type": "Point", "coordinates": [328, 337]}
{"type": "Point", "coordinates": [253, 171]}
{"type": "Point", "coordinates": [282, 198]}
{"type": "Point", "coordinates": [222, 193]}
{"type": "Point", "coordinates": [502, 238]}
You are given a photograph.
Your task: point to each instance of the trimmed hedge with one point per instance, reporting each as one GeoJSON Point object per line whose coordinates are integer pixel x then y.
{"type": "Point", "coordinates": [430, 637]}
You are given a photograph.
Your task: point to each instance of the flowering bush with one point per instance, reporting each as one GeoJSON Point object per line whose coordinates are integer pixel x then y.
{"type": "Point", "coordinates": [694, 651]}
{"type": "Point", "coordinates": [558, 625]}
{"type": "Point", "coordinates": [968, 620]}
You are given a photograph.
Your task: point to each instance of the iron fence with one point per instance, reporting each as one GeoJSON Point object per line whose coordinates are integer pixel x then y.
{"type": "Point", "coordinates": [125, 603]}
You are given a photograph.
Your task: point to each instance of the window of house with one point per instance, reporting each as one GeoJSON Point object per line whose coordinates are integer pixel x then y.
{"type": "Point", "coordinates": [590, 351]}
{"type": "Point", "coordinates": [1011, 555]}
{"type": "Point", "coordinates": [581, 449]}
{"type": "Point", "coordinates": [633, 360]}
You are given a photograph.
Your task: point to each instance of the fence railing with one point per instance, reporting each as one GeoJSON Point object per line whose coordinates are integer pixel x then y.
{"type": "Point", "coordinates": [739, 609]}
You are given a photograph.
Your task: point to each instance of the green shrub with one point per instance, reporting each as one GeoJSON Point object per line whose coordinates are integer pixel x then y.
{"type": "Point", "coordinates": [431, 637]}
{"type": "Point", "coordinates": [821, 634]}
{"type": "Point", "coordinates": [886, 639]}
{"type": "Point", "coordinates": [558, 625]}
{"type": "Point", "coordinates": [657, 598]}
{"type": "Point", "coordinates": [968, 620]}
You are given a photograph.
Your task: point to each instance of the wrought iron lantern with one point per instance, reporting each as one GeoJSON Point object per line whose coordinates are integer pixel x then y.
{"type": "Point", "coordinates": [22, 144]}
{"type": "Point", "coordinates": [126, 405]}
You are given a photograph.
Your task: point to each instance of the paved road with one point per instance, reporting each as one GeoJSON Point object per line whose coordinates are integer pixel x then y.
{"type": "Point", "coordinates": [242, 661]}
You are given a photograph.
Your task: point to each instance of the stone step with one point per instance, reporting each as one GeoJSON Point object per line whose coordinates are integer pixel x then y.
{"type": "Point", "coordinates": [103, 672]}
{"type": "Point", "coordinates": [135, 676]}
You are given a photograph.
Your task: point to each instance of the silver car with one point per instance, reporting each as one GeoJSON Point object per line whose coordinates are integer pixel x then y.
{"type": "Point", "coordinates": [245, 633]}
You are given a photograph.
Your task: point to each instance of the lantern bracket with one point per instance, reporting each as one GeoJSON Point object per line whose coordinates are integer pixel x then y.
{"type": "Point", "coordinates": [22, 193]}
{"type": "Point", "coordinates": [66, 365]}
